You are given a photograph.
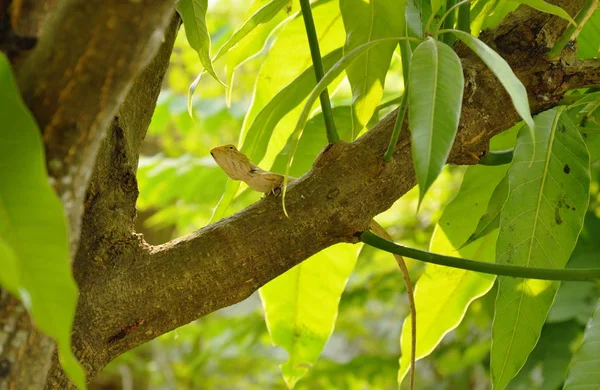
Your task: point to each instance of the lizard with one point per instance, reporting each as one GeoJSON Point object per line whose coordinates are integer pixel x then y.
{"type": "Point", "coordinates": [238, 166]}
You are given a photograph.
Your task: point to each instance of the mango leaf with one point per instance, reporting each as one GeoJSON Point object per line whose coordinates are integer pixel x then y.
{"type": "Point", "coordinates": [547, 365]}
{"type": "Point", "coordinates": [260, 19]}
{"type": "Point", "coordinates": [9, 277]}
{"type": "Point", "coordinates": [301, 307]}
{"type": "Point", "coordinates": [434, 103]}
{"type": "Point", "coordinates": [539, 226]}
{"type": "Point", "coordinates": [502, 70]}
{"type": "Point", "coordinates": [34, 246]}
{"type": "Point", "coordinates": [588, 40]}
{"type": "Point", "coordinates": [542, 6]}
{"type": "Point", "coordinates": [443, 294]}
{"type": "Point", "coordinates": [193, 14]}
{"type": "Point", "coordinates": [584, 373]}
{"type": "Point", "coordinates": [436, 5]}
{"type": "Point", "coordinates": [261, 16]}
{"type": "Point", "coordinates": [491, 218]}
{"type": "Point", "coordinates": [289, 56]}
{"type": "Point", "coordinates": [364, 22]}
{"type": "Point", "coordinates": [417, 13]}
{"type": "Point", "coordinates": [261, 130]}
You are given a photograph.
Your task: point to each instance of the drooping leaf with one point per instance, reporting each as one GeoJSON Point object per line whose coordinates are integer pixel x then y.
{"type": "Point", "coordinates": [417, 14]}
{"type": "Point", "coordinates": [253, 32]}
{"type": "Point", "coordinates": [583, 372]}
{"type": "Point", "coordinates": [502, 70]}
{"type": "Point", "coordinates": [539, 226]}
{"type": "Point", "coordinates": [434, 101]}
{"type": "Point", "coordinates": [193, 14]}
{"type": "Point", "coordinates": [542, 6]}
{"type": "Point", "coordinates": [365, 22]}
{"type": "Point", "coordinates": [443, 294]}
{"type": "Point", "coordinates": [547, 365]}
{"type": "Point", "coordinates": [491, 218]}
{"type": "Point", "coordinates": [588, 40]}
{"type": "Point", "coordinates": [301, 307]}
{"type": "Point", "coordinates": [265, 14]}
{"type": "Point", "coordinates": [34, 246]}
{"type": "Point", "coordinates": [487, 14]}
{"type": "Point", "coordinates": [436, 5]}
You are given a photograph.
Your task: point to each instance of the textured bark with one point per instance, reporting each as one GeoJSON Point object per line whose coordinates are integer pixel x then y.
{"type": "Point", "coordinates": [85, 59]}
{"type": "Point", "coordinates": [132, 292]}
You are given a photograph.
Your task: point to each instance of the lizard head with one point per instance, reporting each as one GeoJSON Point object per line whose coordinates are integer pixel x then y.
{"type": "Point", "coordinates": [235, 164]}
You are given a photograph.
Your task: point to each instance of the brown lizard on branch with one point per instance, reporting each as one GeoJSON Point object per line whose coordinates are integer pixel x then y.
{"type": "Point", "coordinates": [238, 167]}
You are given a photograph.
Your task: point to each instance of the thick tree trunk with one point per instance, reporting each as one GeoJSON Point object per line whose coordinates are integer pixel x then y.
{"type": "Point", "coordinates": [132, 292]}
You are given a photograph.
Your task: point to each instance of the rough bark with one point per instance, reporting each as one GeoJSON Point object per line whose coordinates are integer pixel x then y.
{"type": "Point", "coordinates": [85, 57]}
{"type": "Point", "coordinates": [132, 292]}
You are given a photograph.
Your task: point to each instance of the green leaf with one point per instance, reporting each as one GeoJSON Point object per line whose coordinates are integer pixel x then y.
{"type": "Point", "coordinates": [9, 277]}
{"type": "Point", "coordinates": [261, 16]}
{"type": "Point", "coordinates": [301, 307]}
{"type": "Point", "coordinates": [491, 218]}
{"type": "Point", "coordinates": [584, 373]}
{"type": "Point", "coordinates": [588, 40]}
{"type": "Point", "coordinates": [417, 13]}
{"type": "Point", "coordinates": [542, 6]}
{"type": "Point", "coordinates": [253, 32]}
{"type": "Point", "coordinates": [34, 245]}
{"type": "Point", "coordinates": [547, 365]}
{"type": "Point", "coordinates": [443, 294]}
{"type": "Point", "coordinates": [434, 101]}
{"type": "Point", "coordinates": [263, 125]}
{"type": "Point", "coordinates": [502, 70]}
{"type": "Point", "coordinates": [365, 22]}
{"type": "Point", "coordinates": [436, 5]}
{"type": "Point", "coordinates": [193, 14]}
{"type": "Point", "coordinates": [539, 226]}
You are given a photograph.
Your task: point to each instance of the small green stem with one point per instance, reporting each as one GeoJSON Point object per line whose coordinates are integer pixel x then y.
{"type": "Point", "coordinates": [389, 153]}
{"type": "Point", "coordinates": [449, 23]}
{"type": "Point", "coordinates": [464, 18]}
{"type": "Point", "coordinates": [315, 53]}
{"type": "Point", "coordinates": [450, 11]}
{"type": "Point", "coordinates": [577, 275]}
{"type": "Point", "coordinates": [405, 53]}
{"type": "Point", "coordinates": [572, 31]}
{"type": "Point", "coordinates": [500, 157]}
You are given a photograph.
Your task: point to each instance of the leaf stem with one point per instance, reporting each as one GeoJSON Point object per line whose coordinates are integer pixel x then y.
{"type": "Point", "coordinates": [450, 11]}
{"type": "Point", "coordinates": [405, 53]}
{"type": "Point", "coordinates": [315, 53]}
{"type": "Point", "coordinates": [500, 157]}
{"type": "Point", "coordinates": [577, 275]}
{"type": "Point", "coordinates": [449, 23]}
{"type": "Point", "coordinates": [389, 153]}
{"type": "Point", "coordinates": [572, 31]}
